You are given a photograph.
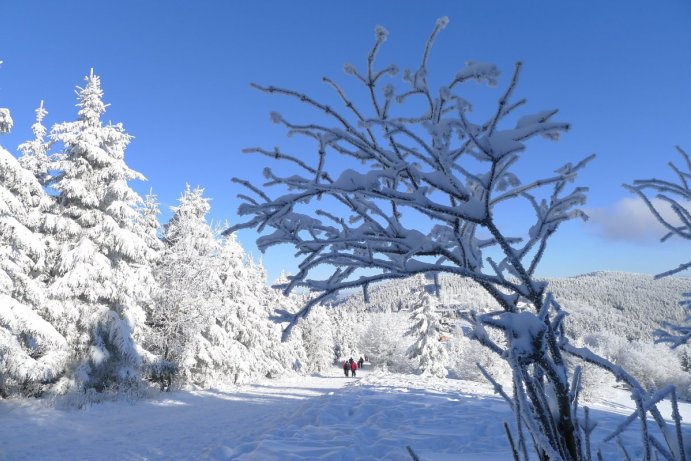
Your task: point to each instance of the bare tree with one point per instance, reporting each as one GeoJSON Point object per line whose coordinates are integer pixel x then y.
{"type": "Point", "coordinates": [409, 183]}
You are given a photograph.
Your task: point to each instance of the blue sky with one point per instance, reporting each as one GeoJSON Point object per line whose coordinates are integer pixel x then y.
{"type": "Point", "coordinates": [177, 75]}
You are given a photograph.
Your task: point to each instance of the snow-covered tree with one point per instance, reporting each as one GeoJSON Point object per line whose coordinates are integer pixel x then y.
{"type": "Point", "coordinates": [35, 152]}
{"type": "Point", "coordinates": [347, 332]}
{"type": "Point", "coordinates": [220, 356]}
{"type": "Point", "coordinates": [671, 206]}
{"type": "Point", "coordinates": [149, 224]}
{"type": "Point", "coordinates": [32, 352]}
{"type": "Point", "coordinates": [102, 275]}
{"type": "Point", "coordinates": [188, 283]}
{"type": "Point", "coordinates": [318, 340]}
{"type": "Point", "coordinates": [240, 343]}
{"type": "Point", "coordinates": [380, 341]}
{"type": "Point", "coordinates": [427, 351]}
{"type": "Point", "coordinates": [6, 121]}
{"type": "Point", "coordinates": [416, 183]}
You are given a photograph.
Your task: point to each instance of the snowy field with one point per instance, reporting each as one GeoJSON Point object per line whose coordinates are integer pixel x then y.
{"type": "Point", "coordinates": [330, 417]}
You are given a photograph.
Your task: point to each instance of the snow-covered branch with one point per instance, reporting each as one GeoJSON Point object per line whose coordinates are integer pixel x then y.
{"type": "Point", "coordinates": [413, 185]}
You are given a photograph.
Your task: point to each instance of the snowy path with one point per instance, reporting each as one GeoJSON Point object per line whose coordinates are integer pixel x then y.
{"type": "Point", "coordinates": [175, 426]}
{"type": "Point", "coordinates": [330, 417]}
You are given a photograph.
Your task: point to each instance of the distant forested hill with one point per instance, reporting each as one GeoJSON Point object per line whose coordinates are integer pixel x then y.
{"type": "Point", "coordinates": [627, 304]}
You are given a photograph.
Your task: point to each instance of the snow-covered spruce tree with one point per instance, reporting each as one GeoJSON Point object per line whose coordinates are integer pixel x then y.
{"type": "Point", "coordinates": [150, 226]}
{"type": "Point", "coordinates": [6, 121]}
{"type": "Point", "coordinates": [220, 356]}
{"type": "Point", "coordinates": [347, 332]}
{"type": "Point", "coordinates": [671, 207]}
{"type": "Point", "coordinates": [188, 282]}
{"type": "Point", "coordinates": [35, 152]}
{"type": "Point", "coordinates": [240, 344]}
{"type": "Point", "coordinates": [380, 341]}
{"type": "Point", "coordinates": [284, 307]}
{"type": "Point", "coordinates": [417, 152]}
{"type": "Point", "coordinates": [317, 340]}
{"type": "Point", "coordinates": [102, 274]}
{"type": "Point", "coordinates": [263, 335]}
{"type": "Point", "coordinates": [32, 352]}
{"type": "Point", "coordinates": [427, 351]}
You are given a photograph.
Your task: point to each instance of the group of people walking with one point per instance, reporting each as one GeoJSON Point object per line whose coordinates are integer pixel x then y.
{"type": "Point", "coordinates": [351, 366]}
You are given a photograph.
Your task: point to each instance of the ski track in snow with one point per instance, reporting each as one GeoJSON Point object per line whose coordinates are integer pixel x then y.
{"type": "Point", "coordinates": [328, 417]}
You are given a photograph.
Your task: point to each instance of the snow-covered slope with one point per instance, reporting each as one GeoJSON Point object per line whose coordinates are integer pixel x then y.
{"type": "Point", "coordinates": [632, 305]}
{"type": "Point", "coordinates": [326, 417]}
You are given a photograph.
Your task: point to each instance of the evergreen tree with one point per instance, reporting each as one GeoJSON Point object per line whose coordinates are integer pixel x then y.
{"type": "Point", "coordinates": [102, 275]}
{"type": "Point", "coordinates": [261, 335]}
{"type": "Point", "coordinates": [427, 351]}
{"type": "Point", "coordinates": [188, 280]}
{"type": "Point", "coordinates": [35, 152]}
{"type": "Point", "coordinates": [241, 343]}
{"type": "Point", "coordinates": [32, 352]}
{"type": "Point", "coordinates": [317, 339]}
{"type": "Point", "coordinates": [5, 119]}
{"type": "Point", "coordinates": [150, 226]}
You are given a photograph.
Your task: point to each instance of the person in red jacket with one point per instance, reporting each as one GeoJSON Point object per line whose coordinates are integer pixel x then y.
{"type": "Point", "coordinates": [353, 367]}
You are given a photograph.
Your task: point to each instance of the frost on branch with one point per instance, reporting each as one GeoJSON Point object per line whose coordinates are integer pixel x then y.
{"type": "Point", "coordinates": [673, 210]}
{"type": "Point", "coordinates": [440, 164]}
{"type": "Point", "coordinates": [406, 179]}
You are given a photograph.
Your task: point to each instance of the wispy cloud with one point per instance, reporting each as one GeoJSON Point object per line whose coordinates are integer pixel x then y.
{"type": "Point", "coordinates": [629, 220]}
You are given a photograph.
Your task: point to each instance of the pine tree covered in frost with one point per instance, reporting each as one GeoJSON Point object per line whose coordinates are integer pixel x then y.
{"type": "Point", "coordinates": [428, 352]}
{"type": "Point", "coordinates": [317, 339]}
{"type": "Point", "coordinates": [35, 152]}
{"type": "Point", "coordinates": [102, 275]}
{"type": "Point", "coordinates": [671, 206]}
{"type": "Point", "coordinates": [241, 344]}
{"type": "Point", "coordinates": [188, 280]}
{"type": "Point", "coordinates": [285, 306]}
{"type": "Point", "coordinates": [220, 354]}
{"type": "Point", "coordinates": [262, 335]}
{"type": "Point", "coordinates": [347, 332]}
{"type": "Point", "coordinates": [6, 121]}
{"type": "Point", "coordinates": [32, 352]}
{"type": "Point", "coordinates": [150, 226]}
{"type": "Point", "coordinates": [410, 152]}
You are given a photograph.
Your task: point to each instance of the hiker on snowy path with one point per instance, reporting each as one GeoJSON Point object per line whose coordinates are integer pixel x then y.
{"type": "Point", "coordinates": [360, 363]}
{"type": "Point", "coordinates": [346, 367]}
{"type": "Point", "coordinates": [353, 367]}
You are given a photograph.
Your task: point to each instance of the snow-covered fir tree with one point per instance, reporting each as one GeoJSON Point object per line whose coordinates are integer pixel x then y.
{"type": "Point", "coordinates": [427, 351]}
{"type": "Point", "coordinates": [35, 152]}
{"type": "Point", "coordinates": [262, 334]}
{"type": "Point", "coordinates": [240, 343]}
{"type": "Point", "coordinates": [219, 354]}
{"type": "Point", "coordinates": [150, 225]}
{"type": "Point", "coordinates": [32, 352]}
{"type": "Point", "coordinates": [188, 282]}
{"type": "Point", "coordinates": [103, 274]}
{"type": "Point", "coordinates": [6, 121]}
{"type": "Point", "coordinates": [318, 340]}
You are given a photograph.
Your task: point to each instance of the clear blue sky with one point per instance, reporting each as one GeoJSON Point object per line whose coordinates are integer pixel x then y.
{"type": "Point", "coordinates": [177, 74]}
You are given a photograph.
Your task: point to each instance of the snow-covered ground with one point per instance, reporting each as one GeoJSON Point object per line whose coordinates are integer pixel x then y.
{"type": "Point", "coordinates": [329, 417]}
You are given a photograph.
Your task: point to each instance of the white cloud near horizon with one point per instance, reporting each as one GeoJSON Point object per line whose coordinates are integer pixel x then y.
{"type": "Point", "coordinates": [629, 219]}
